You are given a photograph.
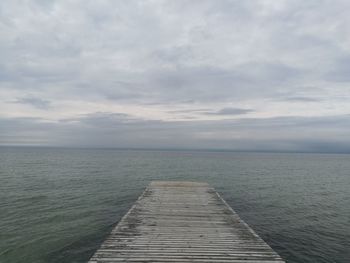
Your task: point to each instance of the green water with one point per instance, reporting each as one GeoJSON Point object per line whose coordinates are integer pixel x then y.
{"type": "Point", "coordinates": [57, 205]}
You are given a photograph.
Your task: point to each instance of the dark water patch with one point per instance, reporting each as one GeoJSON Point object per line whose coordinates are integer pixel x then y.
{"type": "Point", "coordinates": [79, 250]}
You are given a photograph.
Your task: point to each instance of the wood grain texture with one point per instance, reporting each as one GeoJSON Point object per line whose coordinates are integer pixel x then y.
{"type": "Point", "coordinates": [183, 222]}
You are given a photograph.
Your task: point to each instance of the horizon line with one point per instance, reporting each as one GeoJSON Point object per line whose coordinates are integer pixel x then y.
{"type": "Point", "coordinates": [171, 149]}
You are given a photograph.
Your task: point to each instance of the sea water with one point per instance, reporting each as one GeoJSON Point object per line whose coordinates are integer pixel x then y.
{"type": "Point", "coordinates": [57, 205]}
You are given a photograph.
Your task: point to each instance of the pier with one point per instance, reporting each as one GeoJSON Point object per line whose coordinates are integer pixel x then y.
{"type": "Point", "coordinates": [183, 222]}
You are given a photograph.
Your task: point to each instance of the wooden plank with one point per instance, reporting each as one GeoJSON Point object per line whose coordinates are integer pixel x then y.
{"type": "Point", "coordinates": [183, 222]}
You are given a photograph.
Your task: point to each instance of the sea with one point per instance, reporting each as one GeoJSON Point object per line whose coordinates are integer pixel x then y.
{"type": "Point", "coordinates": [58, 205]}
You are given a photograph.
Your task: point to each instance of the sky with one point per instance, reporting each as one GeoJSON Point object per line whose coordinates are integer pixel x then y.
{"type": "Point", "coordinates": [253, 75]}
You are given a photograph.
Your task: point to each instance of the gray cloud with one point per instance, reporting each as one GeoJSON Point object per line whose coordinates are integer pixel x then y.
{"type": "Point", "coordinates": [35, 102]}
{"type": "Point", "coordinates": [128, 69]}
{"type": "Point", "coordinates": [301, 99]}
{"type": "Point", "coordinates": [340, 71]}
{"type": "Point", "coordinates": [190, 111]}
{"type": "Point", "coordinates": [221, 112]}
{"type": "Point", "coordinates": [114, 130]}
{"type": "Point", "coordinates": [230, 111]}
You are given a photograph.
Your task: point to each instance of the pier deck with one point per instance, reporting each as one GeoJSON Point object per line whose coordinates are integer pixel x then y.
{"type": "Point", "coordinates": [183, 222]}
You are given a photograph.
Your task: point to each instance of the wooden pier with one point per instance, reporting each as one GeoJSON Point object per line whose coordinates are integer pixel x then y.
{"type": "Point", "coordinates": [183, 222]}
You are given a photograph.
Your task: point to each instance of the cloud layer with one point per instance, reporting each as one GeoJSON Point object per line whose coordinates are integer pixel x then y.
{"type": "Point", "coordinates": [240, 75]}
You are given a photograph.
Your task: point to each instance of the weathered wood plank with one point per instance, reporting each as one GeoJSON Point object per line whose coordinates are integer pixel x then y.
{"type": "Point", "coordinates": [183, 222]}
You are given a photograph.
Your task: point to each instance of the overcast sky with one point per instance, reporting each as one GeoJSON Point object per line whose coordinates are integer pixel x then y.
{"type": "Point", "coordinates": [238, 75]}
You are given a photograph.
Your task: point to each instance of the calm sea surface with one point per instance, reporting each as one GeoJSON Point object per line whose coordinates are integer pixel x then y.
{"type": "Point", "coordinates": [57, 205]}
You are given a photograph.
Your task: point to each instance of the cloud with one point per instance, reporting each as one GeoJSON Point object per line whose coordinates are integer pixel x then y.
{"type": "Point", "coordinates": [222, 112]}
{"type": "Point", "coordinates": [301, 99]}
{"type": "Point", "coordinates": [170, 66]}
{"type": "Point", "coordinates": [113, 130]}
{"type": "Point", "coordinates": [340, 71]}
{"type": "Point", "coordinates": [230, 111]}
{"type": "Point", "coordinates": [35, 102]}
